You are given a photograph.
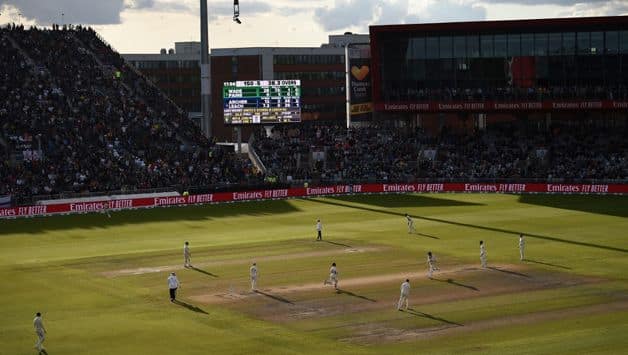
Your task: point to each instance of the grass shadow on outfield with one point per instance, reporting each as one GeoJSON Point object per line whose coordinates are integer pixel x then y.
{"type": "Point", "coordinates": [454, 282]}
{"type": "Point", "coordinates": [130, 217]}
{"type": "Point", "coordinates": [611, 205]}
{"type": "Point", "coordinates": [338, 244]}
{"type": "Point", "coordinates": [349, 293]}
{"type": "Point", "coordinates": [191, 307]}
{"type": "Point", "coordinates": [507, 271]}
{"type": "Point", "coordinates": [402, 200]}
{"type": "Point", "coordinates": [274, 297]}
{"type": "Point", "coordinates": [426, 235]}
{"type": "Point", "coordinates": [202, 271]}
{"type": "Point", "coordinates": [475, 226]}
{"type": "Point", "coordinates": [429, 316]}
{"type": "Point", "coordinates": [548, 264]}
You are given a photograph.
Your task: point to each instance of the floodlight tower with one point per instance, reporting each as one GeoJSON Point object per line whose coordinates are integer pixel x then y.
{"type": "Point", "coordinates": [236, 12]}
{"type": "Point", "coordinates": [205, 65]}
{"type": "Point", "coordinates": [205, 71]}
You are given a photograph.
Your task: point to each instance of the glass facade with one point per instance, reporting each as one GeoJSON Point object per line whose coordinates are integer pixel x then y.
{"type": "Point", "coordinates": [317, 75]}
{"type": "Point", "coordinates": [531, 66]}
{"type": "Point", "coordinates": [309, 59]}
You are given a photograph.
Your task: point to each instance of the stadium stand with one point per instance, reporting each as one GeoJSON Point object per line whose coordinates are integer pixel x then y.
{"type": "Point", "coordinates": [75, 118]}
{"type": "Point", "coordinates": [385, 153]}
{"type": "Point", "coordinates": [72, 124]}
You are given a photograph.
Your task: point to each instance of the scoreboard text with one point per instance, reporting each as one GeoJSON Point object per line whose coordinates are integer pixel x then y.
{"type": "Point", "coordinates": [262, 101]}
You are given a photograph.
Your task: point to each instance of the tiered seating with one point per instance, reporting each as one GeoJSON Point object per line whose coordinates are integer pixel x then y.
{"type": "Point", "coordinates": [73, 127]}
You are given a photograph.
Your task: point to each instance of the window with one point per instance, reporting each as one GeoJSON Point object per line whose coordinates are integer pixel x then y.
{"type": "Point", "coordinates": [487, 46]}
{"type": "Point", "coordinates": [446, 47]}
{"type": "Point", "coordinates": [623, 42]}
{"type": "Point", "coordinates": [555, 44]}
{"type": "Point", "coordinates": [540, 44]}
{"type": "Point", "coordinates": [473, 46]}
{"type": "Point", "coordinates": [431, 48]}
{"type": "Point", "coordinates": [323, 75]}
{"type": "Point", "coordinates": [416, 48]}
{"type": "Point", "coordinates": [309, 59]}
{"type": "Point", "coordinates": [527, 44]}
{"type": "Point", "coordinates": [514, 45]}
{"type": "Point", "coordinates": [612, 42]}
{"type": "Point", "coordinates": [460, 50]}
{"type": "Point", "coordinates": [501, 46]}
{"type": "Point", "coordinates": [569, 43]}
{"type": "Point", "coordinates": [597, 43]}
{"type": "Point", "coordinates": [584, 42]}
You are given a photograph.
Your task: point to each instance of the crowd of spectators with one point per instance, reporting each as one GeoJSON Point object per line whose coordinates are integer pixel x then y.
{"type": "Point", "coordinates": [387, 153]}
{"type": "Point", "coordinates": [74, 117]}
{"type": "Point", "coordinates": [67, 124]}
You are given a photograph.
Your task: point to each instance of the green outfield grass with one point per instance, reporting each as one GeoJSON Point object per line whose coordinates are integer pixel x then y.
{"type": "Point", "coordinates": [101, 282]}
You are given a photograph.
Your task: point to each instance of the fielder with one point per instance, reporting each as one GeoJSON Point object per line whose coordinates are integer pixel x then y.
{"type": "Point", "coordinates": [105, 209]}
{"type": "Point", "coordinates": [482, 254]}
{"type": "Point", "coordinates": [253, 274]}
{"type": "Point", "coordinates": [187, 262]}
{"type": "Point", "coordinates": [405, 292]}
{"type": "Point", "coordinates": [410, 224]}
{"type": "Point", "coordinates": [522, 246]}
{"type": "Point", "coordinates": [319, 230]}
{"type": "Point", "coordinates": [431, 264]}
{"type": "Point", "coordinates": [173, 285]}
{"type": "Point", "coordinates": [333, 276]}
{"type": "Point", "coordinates": [38, 323]}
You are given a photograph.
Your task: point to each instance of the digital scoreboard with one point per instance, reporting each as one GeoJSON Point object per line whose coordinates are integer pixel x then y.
{"type": "Point", "coordinates": [262, 101]}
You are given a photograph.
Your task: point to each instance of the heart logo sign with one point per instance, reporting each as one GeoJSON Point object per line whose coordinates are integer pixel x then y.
{"type": "Point", "coordinates": [360, 73]}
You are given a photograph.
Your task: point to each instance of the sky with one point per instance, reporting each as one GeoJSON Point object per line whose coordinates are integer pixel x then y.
{"type": "Point", "coordinates": [146, 26]}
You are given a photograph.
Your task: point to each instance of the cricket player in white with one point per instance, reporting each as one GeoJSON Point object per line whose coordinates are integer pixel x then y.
{"type": "Point", "coordinates": [319, 230]}
{"type": "Point", "coordinates": [105, 208]}
{"type": "Point", "coordinates": [482, 254]}
{"type": "Point", "coordinates": [410, 224]}
{"type": "Point", "coordinates": [253, 273]}
{"type": "Point", "coordinates": [431, 264]}
{"type": "Point", "coordinates": [173, 285]}
{"type": "Point", "coordinates": [333, 276]}
{"type": "Point", "coordinates": [405, 292]}
{"type": "Point", "coordinates": [522, 246]}
{"type": "Point", "coordinates": [38, 323]}
{"type": "Point", "coordinates": [187, 255]}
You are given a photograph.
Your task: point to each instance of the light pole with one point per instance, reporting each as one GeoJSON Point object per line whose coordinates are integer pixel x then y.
{"type": "Point", "coordinates": [348, 80]}
{"type": "Point", "coordinates": [205, 71]}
